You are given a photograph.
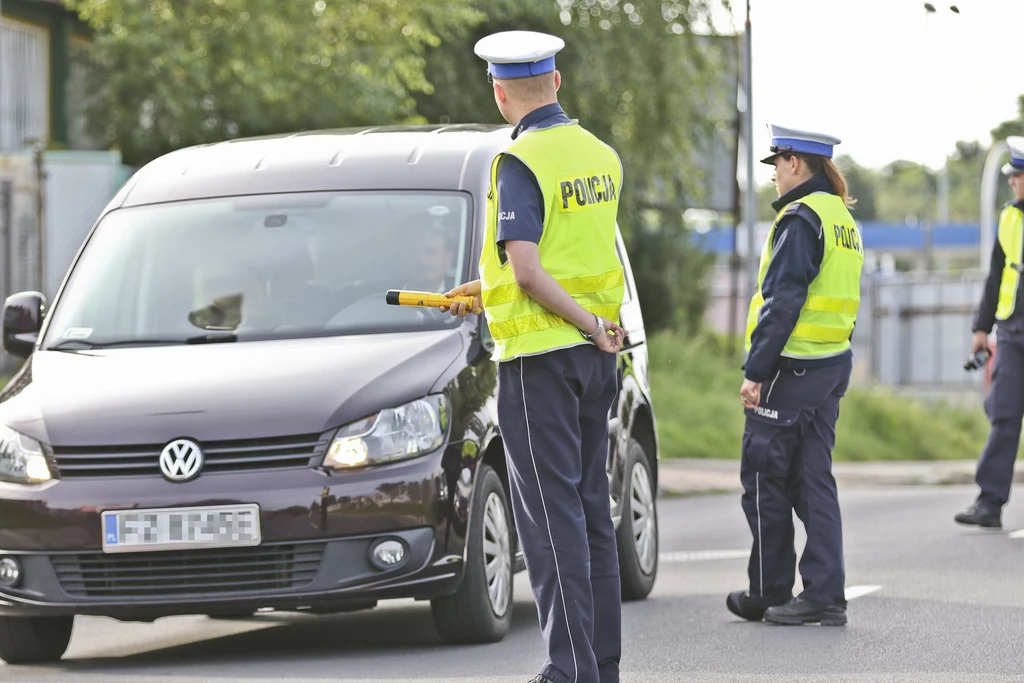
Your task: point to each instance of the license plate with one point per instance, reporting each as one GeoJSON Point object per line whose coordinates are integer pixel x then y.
{"type": "Point", "coordinates": [181, 528]}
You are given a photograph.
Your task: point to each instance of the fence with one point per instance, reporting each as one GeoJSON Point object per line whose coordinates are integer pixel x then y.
{"type": "Point", "coordinates": [73, 189]}
{"type": "Point", "coordinates": [913, 329]}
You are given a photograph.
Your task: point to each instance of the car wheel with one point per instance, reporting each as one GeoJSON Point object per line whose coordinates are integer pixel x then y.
{"type": "Point", "coordinates": [638, 530]}
{"type": "Point", "coordinates": [480, 611]}
{"type": "Point", "coordinates": [34, 640]}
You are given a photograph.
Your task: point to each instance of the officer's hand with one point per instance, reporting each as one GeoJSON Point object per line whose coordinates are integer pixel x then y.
{"type": "Point", "coordinates": [459, 308]}
{"type": "Point", "coordinates": [980, 342]}
{"type": "Point", "coordinates": [750, 393]}
{"type": "Point", "coordinates": [611, 340]}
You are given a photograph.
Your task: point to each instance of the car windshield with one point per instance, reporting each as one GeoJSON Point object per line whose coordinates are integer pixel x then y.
{"type": "Point", "coordinates": [263, 267]}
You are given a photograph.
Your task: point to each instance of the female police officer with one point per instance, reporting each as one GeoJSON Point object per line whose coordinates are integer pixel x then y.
{"type": "Point", "coordinates": [551, 285]}
{"type": "Point", "coordinates": [797, 369]}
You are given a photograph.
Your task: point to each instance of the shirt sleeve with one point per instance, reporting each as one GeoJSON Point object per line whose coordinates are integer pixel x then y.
{"type": "Point", "coordinates": [985, 316]}
{"type": "Point", "coordinates": [520, 210]}
{"type": "Point", "coordinates": [796, 259]}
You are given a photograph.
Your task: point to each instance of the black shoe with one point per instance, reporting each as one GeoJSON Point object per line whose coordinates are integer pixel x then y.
{"type": "Point", "coordinates": [979, 515]}
{"type": "Point", "coordinates": [742, 605]}
{"type": "Point", "coordinates": [798, 612]}
{"type": "Point", "coordinates": [539, 679]}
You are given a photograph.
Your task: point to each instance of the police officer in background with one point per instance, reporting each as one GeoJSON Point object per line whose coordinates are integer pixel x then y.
{"type": "Point", "coordinates": [552, 285]}
{"type": "Point", "coordinates": [798, 367]}
{"type": "Point", "coordinates": [1000, 304]}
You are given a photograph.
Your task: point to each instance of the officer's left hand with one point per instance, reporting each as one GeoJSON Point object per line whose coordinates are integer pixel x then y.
{"type": "Point", "coordinates": [750, 393]}
{"type": "Point", "coordinates": [611, 340]}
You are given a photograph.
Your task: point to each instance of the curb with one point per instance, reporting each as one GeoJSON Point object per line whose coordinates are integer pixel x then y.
{"type": "Point", "coordinates": [694, 476]}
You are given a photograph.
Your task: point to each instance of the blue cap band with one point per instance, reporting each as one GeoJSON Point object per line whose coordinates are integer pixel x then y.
{"type": "Point", "coordinates": [807, 146]}
{"type": "Point", "coordinates": [522, 69]}
{"type": "Point", "coordinates": [1017, 162]}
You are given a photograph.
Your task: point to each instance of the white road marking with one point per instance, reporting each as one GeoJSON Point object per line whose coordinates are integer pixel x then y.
{"type": "Point", "coordinates": [860, 591]}
{"type": "Point", "coordinates": [1017, 534]}
{"type": "Point", "coordinates": [704, 555]}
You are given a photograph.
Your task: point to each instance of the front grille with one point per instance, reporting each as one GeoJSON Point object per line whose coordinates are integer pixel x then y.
{"type": "Point", "coordinates": [219, 456]}
{"type": "Point", "coordinates": [188, 573]}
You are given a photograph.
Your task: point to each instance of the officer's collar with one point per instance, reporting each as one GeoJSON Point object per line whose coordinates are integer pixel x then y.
{"type": "Point", "coordinates": [536, 116]}
{"type": "Point", "coordinates": [1019, 204]}
{"type": "Point", "coordinates": [816, 183]}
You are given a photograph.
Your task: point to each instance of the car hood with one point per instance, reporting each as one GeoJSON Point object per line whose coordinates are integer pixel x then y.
{"type": "Point", "coordinates": [154, 394]}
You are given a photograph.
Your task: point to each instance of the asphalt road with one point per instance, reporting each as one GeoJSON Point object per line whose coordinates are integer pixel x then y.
{"type": "Point", "coordinates": [937, 603]}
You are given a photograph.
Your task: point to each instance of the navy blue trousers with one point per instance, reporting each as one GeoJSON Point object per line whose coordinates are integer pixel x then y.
{"type": "Point", "coordinates": [786, 467]}
{"type": "Point", "coordinates": [553, 415]}
{"type": "Point", "coordinates": [1004, 406]}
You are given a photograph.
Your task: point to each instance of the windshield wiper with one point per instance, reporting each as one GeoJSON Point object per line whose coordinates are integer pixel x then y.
{"type": "Point", "coordinates": [66, 344]}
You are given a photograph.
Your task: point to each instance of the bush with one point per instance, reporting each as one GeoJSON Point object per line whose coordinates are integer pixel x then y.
{"type": "Point", "coordinates": [696, 384]}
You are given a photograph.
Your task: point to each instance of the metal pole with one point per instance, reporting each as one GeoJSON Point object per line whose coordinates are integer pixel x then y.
{"type": "Point", "coordinates": [989, 178]}
{"type": "Point", "coordinates": [751, 190]}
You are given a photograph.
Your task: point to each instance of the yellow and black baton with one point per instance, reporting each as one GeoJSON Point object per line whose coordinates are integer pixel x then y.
{"type": "Point", "coordinates": [398, 297]}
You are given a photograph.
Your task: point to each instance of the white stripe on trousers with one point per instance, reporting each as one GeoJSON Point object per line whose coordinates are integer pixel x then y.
{"type": "Point", "coordinates": [547, 520]}
{"type": "Point", "coordinates": [760, 548]}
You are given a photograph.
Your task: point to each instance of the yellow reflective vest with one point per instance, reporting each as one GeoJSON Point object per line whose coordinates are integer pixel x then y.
{"type": "Point", "coordinates": [1011, 225]}
{"type": "Point", "coordinates": [580, 178]}
{"type": "Point", "coordinates": [827, 317]}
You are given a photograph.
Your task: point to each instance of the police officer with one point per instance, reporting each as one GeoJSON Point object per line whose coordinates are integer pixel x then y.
{"type": "Point", "coordinates": [552, 285]}
{"type": "Point", "coordinates": [1005, 401]}
{"type": "Point", "coordinates": [797, 369]}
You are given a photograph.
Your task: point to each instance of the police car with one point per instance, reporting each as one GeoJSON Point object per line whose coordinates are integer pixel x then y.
{"type": "Point", "coordinates": [220, 414]}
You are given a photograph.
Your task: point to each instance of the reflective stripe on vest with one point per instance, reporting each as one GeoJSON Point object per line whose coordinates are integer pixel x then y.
{"type": "Point", "coordinates": [827, 317]}
{"type": "Point", "coordinates": [1011, 227]}
{"type": "Point", "coordinates": [580, 179]}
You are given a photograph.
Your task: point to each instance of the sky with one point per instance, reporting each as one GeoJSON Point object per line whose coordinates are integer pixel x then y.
{"type": "Point", "coordinates": [889, 79]}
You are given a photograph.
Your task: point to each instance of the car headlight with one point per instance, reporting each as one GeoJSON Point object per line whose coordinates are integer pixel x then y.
{"type": "Point", "coordinates": [393, 434]}
{"type": "Point", "coordinates": [21, 458]}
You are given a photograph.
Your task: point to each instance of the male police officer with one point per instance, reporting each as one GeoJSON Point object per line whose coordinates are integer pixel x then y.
{"type": "Point", "coordinates": [1005, 401]}
{"type": "Point", "coordinates": [552, 285]}
{"type": "Point", "coordinates": [798, 350]}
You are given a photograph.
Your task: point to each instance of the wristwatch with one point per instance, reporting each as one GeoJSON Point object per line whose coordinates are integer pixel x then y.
{"type": "Point", "coordinates": [596, 333]}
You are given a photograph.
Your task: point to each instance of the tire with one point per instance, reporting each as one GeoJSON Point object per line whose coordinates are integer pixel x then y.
{"type": "Point", "coordinates": [638, 567]}
{"type": "Point", "coordinates": [470, 615]}
{"type": "Point", "coordinates": [34, 640]}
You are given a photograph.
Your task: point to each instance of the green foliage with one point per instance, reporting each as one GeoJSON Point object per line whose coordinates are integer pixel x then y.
{"type": "Point", "coordinates": [193, 71]}
{"type": "Point", "coordinates": [174, 73]}
{"type": "Point", "coordinates": [695, 387]}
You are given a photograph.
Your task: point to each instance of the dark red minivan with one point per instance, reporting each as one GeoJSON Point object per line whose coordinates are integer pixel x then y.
{"type": "Point", "coordinates": [220, 414]}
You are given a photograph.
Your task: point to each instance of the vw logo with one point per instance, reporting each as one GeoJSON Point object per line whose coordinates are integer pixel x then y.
{"type": "Point", "coordinates": [181, 460]}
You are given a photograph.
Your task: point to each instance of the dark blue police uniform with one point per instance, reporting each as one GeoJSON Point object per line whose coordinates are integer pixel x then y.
{"type": "Point", "coordinates": [553, 408]}
{"type": "Point", "coordinates": [788, 439]}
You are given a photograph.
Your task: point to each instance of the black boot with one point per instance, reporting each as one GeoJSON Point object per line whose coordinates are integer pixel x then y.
{"type": "Point", "coordinates": [798, 612]}
{"type": "Point", "coordinates": [980, 515]}
{"type": "Point", "coordinates": [742, 605]}
{"type": "Point", "coordinates": [539, 679]}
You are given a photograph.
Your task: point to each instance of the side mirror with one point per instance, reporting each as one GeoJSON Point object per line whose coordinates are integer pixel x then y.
{"type": "Point", "coordinates": [23, 318]}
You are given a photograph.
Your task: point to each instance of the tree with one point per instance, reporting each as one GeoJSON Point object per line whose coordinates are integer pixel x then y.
{"type": "Point", "coordinates": [181, 72]}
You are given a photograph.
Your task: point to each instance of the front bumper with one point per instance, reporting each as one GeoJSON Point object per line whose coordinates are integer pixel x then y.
{"type": "Point", "coordinates": [317, 533]}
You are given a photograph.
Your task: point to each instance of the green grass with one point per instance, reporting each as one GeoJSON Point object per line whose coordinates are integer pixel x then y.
{"type": "Point", "coordinates": [696, 386]}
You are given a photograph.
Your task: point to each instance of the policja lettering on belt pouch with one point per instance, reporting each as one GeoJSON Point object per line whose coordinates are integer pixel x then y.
{"type": "Point", "coordinates": [552, 308]}
{"type": "Point", "coordinates": [797, 370]}
{"type": "Point", "coordinates": [1001, 305]}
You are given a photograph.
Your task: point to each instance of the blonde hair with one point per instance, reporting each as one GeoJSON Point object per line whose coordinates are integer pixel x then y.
{"type": "Point", "coordinates": [819, 164]}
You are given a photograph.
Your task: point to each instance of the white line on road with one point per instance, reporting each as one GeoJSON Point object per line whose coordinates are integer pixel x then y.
{"type": "Point", "coordinates": [1017, 534]}
{"type": "Point", "coordinates": [860, 591]}
{"type": "Point", "coordinates": [703, 555]}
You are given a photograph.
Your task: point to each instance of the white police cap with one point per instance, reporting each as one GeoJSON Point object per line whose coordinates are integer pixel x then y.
{"type": "Point", "coordinates": [519, 54]}
{"type": "Point", "coordinates": [793, 140]}
{"type": "Point", "coordinates": [1016, 164]}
